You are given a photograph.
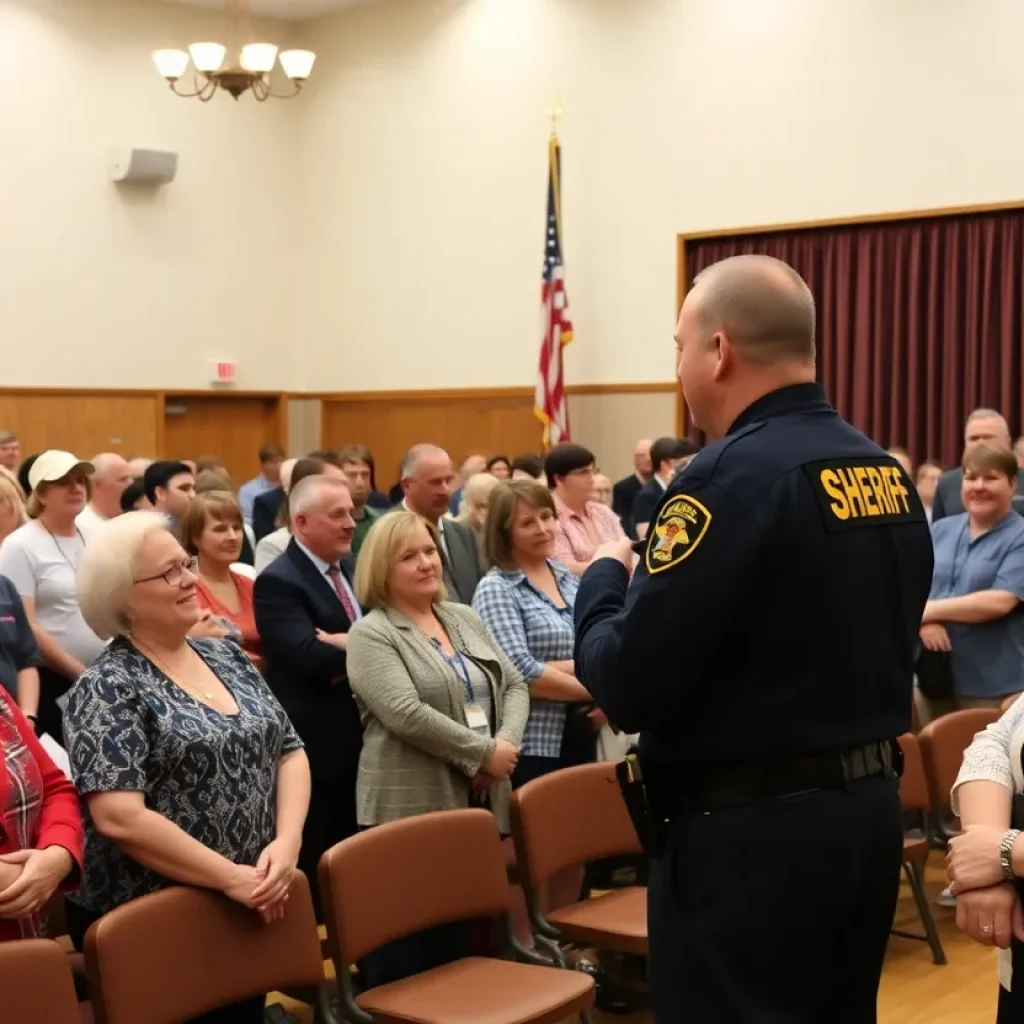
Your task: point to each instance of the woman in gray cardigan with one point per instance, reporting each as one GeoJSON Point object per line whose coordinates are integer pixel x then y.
{"type": "Point", "coordinates": [443, 708]}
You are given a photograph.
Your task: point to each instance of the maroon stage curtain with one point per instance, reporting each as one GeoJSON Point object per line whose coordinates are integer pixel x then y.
{"type": "Point", "coordinates": [919, 321]}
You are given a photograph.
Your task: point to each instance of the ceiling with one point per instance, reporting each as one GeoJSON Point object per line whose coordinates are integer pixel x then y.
{"type": "Point", "coordinates": [296, 9]}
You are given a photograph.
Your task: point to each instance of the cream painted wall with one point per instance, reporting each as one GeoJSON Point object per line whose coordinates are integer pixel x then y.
{"type": "Point", "coordinates": [424, 160]}
{"type": "Point", "coordinates": [109, 288]}
{"type": "Point", "coordinates": [609, 424]}
{"type": "Point", "coordinates": [384, 231]}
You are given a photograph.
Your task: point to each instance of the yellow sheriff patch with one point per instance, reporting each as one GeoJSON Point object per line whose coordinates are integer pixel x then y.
{"type": "Point", "coordinates": [680, 527]}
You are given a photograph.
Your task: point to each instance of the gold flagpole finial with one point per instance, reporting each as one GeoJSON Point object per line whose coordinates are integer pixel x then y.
{"type": "Point", "coordinates": [555, 111]}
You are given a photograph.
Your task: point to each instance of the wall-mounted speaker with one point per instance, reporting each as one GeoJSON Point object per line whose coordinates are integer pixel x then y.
{"type": "Point", "coordinates": [144, 167]}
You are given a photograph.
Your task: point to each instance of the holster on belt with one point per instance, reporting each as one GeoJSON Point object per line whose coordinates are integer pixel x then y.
{"type": "Point", "coordinates": [634, 795]}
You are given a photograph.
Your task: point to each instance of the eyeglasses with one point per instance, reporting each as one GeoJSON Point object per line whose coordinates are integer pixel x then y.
{"type": "Point", "coordinates": [173, 576]}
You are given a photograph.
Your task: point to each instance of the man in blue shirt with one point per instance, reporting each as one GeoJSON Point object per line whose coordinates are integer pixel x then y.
{"type": "Point", "coordinates": [271, 457]}
{"type": "Point", "coordinates": [984, 426]}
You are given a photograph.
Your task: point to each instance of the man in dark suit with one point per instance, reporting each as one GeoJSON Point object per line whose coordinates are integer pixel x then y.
{"type": "Point", "coordinates": [984, 426]}
{"type": "Point", "coordinates": [265, 508]}
{"type": "Point", "coordinates": [427, 478]}
{"type": "Point", "coordinates": [305, 605]}
{"type": "Point", "coordinates": [625, 491]}
{"type": "Point", "coordinates": [668, 456]}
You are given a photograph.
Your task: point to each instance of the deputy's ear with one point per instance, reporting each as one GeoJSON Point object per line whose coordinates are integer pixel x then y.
{"type": "Point", "coordinates": [725, 354]}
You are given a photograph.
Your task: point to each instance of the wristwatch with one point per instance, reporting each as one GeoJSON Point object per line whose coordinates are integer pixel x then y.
{"type": "Point", "coordinates": [1006, 854]}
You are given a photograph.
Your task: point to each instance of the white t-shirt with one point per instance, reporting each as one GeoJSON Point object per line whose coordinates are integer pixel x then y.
{"type": "Point", "coordinates": [87, 521]}
{"type": "Point", "coordinates": [42, 567]}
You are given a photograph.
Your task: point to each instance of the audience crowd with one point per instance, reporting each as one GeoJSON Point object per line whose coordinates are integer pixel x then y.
{"type": "Point", "coordinates": [242, 678]}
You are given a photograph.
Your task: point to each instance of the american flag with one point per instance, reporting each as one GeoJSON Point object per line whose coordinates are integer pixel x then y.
{"type": "Point", "coordinates": [549, 404]}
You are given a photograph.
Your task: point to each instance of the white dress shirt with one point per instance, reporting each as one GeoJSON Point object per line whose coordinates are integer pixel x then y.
{"type": "Point", "coordinates": [323, 568]}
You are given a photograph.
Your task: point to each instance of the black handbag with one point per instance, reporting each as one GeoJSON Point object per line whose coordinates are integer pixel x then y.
{"type": "Point", "coordinates": [935, 674]}
{"type": "Point", "coordinates": [577, 724]}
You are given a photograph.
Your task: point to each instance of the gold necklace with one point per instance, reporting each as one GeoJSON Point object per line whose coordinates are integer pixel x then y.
{"type": "Point", "coordinates": [160, 664]}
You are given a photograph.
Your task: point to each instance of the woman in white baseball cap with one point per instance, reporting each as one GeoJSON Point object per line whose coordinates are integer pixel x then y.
{"type": "Point", "coordinates": [40, 559]}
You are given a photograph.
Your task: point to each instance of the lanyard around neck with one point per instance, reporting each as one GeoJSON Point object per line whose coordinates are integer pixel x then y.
{"type": "Point", "coordinates": [458, 663]}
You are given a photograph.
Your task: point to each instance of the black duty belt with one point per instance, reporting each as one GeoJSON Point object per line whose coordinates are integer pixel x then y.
{"type": "Point", "coordinates": [743, 784]}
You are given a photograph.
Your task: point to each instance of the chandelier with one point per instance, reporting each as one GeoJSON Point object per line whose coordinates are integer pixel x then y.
{"type": "Point", "coordinates": [236, 66]}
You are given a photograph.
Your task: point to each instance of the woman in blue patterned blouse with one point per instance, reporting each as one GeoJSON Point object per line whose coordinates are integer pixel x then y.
{"type": "Point", "coordinates": [527, 602]}
{"type": "Point", "coordinates": [189, 768]}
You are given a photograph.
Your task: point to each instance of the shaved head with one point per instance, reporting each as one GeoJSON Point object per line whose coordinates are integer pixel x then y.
{"type": "Point", "coordinates": [762, 306]}
{"type": "Point", "coordinates": [745, 329]}
{"type": "Point", "coordinates": [109, 464]}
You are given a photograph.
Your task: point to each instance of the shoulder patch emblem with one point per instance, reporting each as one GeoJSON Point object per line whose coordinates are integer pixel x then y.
{"type": "Point", "coordinates": [680, 527]}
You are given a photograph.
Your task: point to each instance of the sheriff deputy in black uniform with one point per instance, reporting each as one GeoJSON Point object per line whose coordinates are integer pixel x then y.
{"type": "Point", "coordinates": [765, 650]}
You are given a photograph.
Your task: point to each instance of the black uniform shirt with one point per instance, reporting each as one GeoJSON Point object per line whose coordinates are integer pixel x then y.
{"type": "Point", "coordinates": [777, 606]}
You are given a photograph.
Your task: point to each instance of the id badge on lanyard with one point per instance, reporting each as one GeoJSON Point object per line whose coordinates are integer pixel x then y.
{"type": "Point", "coordinates": [476, 717]}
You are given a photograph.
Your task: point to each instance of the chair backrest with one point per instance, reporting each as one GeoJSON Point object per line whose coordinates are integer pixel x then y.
{"type": "Point", "coordinates": [181, 953]}
{"type": "Point", "coordinates": [409, 875]}
{"type": "Point", "coordinates": [914, 795]}
{"type": "Point", "coordinates": [570, 817]}
{"type": "Point", "coordinates": [36, 984]}
{"type": "Point", "coordinates": [943, 743]}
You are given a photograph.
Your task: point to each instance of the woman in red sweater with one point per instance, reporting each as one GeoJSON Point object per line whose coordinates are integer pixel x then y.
{"type": "Point", "coordinates": [41, 834]}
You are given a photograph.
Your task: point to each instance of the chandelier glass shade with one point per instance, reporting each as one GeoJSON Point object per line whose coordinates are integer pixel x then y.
{"type": "Point", "coordinates": [236, 68]}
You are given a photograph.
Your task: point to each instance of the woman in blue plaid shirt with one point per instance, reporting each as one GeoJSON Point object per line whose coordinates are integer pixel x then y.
{"type": "Point", "coordinates": [527, 602]}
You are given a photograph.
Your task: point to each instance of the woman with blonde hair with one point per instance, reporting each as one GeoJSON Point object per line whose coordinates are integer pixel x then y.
{"type": "Point", "coordinates": [443, 709]}
{"type": "Point", "coordinates": [473, 507]}
{"type": "Point", "coordinates": [12, 504]}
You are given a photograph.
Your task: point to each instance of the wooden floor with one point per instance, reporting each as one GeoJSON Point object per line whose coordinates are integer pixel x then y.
{"type": "Point", "coordinates": [914, 991]}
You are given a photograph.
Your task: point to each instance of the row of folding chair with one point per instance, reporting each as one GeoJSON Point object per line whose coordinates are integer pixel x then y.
{"type": "Point", "coordinates": [931, 763]}
{"type": "Point", "coordinates": [182, 952]}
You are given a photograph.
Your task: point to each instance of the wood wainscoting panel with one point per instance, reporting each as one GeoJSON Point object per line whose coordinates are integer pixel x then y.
{"type": "Point", "coordinates": [488, 421]}
{"type": "Point", "coordinates": [228, 427]}
{"type": "Point", "coordinates": [610, 423]}
{"type": "Point", "coordinates": [83, 422]}
{"type": "Point", "coordinates": [607, 418]}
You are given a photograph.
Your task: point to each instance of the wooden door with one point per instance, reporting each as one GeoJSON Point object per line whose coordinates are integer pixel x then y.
{"type": "Point", "coordinates": [230, 428]}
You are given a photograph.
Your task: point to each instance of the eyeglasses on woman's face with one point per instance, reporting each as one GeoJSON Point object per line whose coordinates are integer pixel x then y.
{"type": "Point", "coordinates": [173, 577]}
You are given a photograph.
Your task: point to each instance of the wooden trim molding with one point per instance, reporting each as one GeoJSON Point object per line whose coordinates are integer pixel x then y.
{"type": "Point", "coordinates": [464, 394]}
{"type": "Point", "coordinates": [857, 221]}
{"type": "Point", "coordinates": [139, 392]}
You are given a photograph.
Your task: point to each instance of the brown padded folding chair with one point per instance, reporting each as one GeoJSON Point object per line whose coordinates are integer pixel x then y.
{"type": "Point", "coordinates": [915, 798]}
{"type": "Point", "coordinates": [416, 873]}
{"type": "Point", "coordinates": [943, 743]}
{"type": "Point", "coordinates": [567, 818]}
{"type": "Point", "coordinates": [35, 984]}
{"type": "Point", "coordinates": [183, 952]}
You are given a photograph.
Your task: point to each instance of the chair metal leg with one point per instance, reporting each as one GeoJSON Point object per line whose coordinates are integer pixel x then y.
{"type": "Point", "coordinates": [914, 877]}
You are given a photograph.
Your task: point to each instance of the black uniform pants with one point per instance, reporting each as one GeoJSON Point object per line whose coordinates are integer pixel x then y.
{"type": "Point", "coordinates": [777, 913]}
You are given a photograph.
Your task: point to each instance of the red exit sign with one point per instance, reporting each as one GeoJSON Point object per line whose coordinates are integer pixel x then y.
{"type": "Point", "coordinates": [223, 371]}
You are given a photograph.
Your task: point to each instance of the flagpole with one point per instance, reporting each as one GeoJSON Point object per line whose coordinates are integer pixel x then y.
{"type": "Point", "coordinates": [550, 404]}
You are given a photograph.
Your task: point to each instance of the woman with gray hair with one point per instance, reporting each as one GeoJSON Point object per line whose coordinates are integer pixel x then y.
{"type": "Point", "coordinates": [190, 771]}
